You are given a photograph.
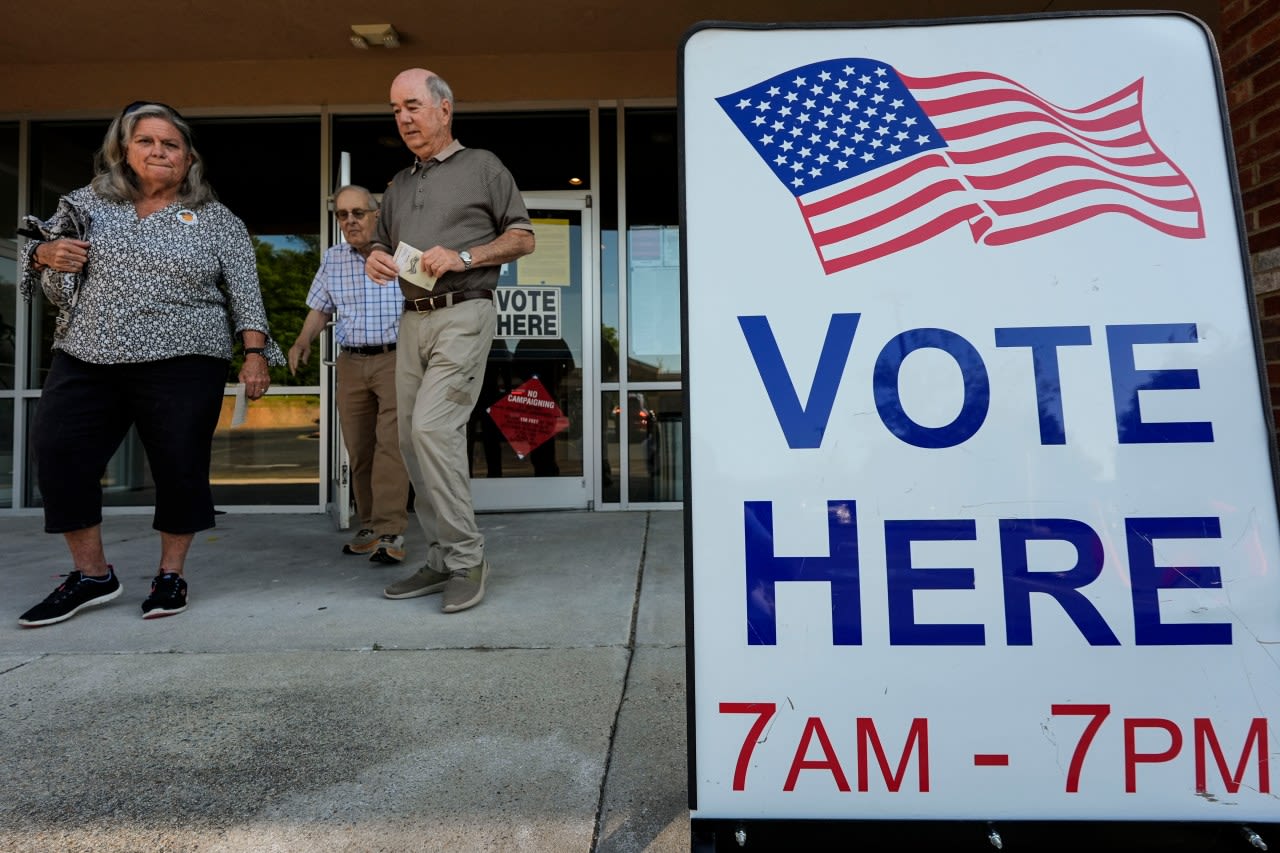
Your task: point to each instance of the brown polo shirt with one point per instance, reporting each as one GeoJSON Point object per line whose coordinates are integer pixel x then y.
{"type": "Point", "coordinates": [460, 198]}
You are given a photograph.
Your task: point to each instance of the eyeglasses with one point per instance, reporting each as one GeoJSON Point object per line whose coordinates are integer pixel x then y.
{"type": "Point", "coordinates": [137, 105]}
{"type": "Point", "coordinates": [351, 214]}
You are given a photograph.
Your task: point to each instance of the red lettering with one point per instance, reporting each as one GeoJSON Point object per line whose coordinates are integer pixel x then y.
{"type": "Point", "coordinates": [917, 737]}
{"type": "Point", "coordinates": [1256, 738]}
{"type": "Point", "coordinates": [813, 726]}
{"type": "Point", "coordinates": [1132, 758]}
{"type": "Point", "coordinates": [1099, 713]}
{"type": "Point", "coordinates": [764, 712]}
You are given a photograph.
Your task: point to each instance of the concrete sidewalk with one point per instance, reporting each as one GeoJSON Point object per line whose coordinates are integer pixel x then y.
{"type": "Point", "coordinates": [294, 708]}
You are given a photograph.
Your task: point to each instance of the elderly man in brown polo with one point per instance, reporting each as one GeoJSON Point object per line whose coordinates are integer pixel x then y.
{"type": "Point", "coordinates": [460, 207]}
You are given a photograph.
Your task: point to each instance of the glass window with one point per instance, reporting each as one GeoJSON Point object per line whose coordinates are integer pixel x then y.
{"type": "Point", "coordinates": [611, 449]}
{"type": "Point", "coordinates": [276, 196]}
{"type": "Point", "coordinates": [8, 263]}
{"type": "Point", "coordinates": [653, 246]}
{"type": "Point", "coordinates": [6, 451]}
{"type": "Point", "coordinates": [608, 213]}
{"type": "Point", "coordinates": [543, 150]}
{"type": "Point", "coordinates": [273, 458]}
{"type": "Point", "coordinates": [654, 445]}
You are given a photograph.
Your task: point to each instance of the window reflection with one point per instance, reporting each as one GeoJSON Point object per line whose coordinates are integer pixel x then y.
{"type": "Point", "coordinates": [8, 257]}
{"type": "Point", "coordinates": [6, 452]}
{"type": "Point", "coordinates": [649, 431]}
{"type": "Point", "coordinates": [273, 457]}
{"type": "Point", "coordinates": [653, 303]}
{"type": "Point", "coordinates": [537, 351]}
{"type": "Point", "coordinates": [653, 246]}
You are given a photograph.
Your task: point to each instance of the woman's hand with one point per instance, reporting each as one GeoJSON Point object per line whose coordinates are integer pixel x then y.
{"type": "Point", "coordinates": [63, 255]}
{"type": "Point", "coordinates": [255, 376]}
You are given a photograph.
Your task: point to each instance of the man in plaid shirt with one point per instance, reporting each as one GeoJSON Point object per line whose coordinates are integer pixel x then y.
{"type": "Point", "coordinates": [368, 322]}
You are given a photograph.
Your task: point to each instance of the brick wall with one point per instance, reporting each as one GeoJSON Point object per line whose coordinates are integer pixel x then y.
{"type": "Point", "coordinates": [1250, 46]}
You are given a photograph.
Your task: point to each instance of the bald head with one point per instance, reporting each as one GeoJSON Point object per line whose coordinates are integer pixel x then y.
{"type": "Point", "coordinates": [423, 106]}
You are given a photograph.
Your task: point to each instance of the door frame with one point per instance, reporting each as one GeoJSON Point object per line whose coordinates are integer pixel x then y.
{"type": "Point", "coordinates": [576, 492]}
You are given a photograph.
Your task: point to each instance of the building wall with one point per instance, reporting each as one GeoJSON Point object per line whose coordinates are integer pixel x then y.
{"type": "Point", "coordinates": [196, 86]}
{"type": "Point", "coordinates": [1250, 40]}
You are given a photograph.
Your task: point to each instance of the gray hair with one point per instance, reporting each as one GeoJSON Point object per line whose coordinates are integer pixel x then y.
{"type": "Point", "coordinates": [115, 179]}
{"type": "Point", "coordinates": [439, 89]}
{"type": "Point", "coordinates": [373, 202]}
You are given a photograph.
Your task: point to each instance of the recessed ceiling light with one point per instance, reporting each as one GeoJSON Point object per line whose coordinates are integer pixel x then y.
{"type": "Point", "coordinates": [577, 182]}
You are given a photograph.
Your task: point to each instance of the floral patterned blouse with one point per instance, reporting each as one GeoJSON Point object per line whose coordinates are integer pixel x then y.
{"type": "Point", "coordinates": [178, 282]}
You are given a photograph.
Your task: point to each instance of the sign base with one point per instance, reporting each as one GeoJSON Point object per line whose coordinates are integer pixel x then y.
{"type": "Point", "coordinates": [722, 836]}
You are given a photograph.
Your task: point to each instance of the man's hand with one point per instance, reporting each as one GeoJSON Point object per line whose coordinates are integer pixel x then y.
{"type": "Point", "coordinates": [299, 352]}
{"type": "Point", "coordinates": [438, 260]}
{"type": "Point", "coordinates": [381, 267]}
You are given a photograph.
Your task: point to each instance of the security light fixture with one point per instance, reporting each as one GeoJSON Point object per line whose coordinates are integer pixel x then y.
{"type": "Point", "coordinates": [365, 36]}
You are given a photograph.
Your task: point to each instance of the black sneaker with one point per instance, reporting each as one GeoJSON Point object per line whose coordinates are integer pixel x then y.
{"type": "Point", "coordinates": [73, 595]}
{"type": "Point", "coordinates": [168, 596]}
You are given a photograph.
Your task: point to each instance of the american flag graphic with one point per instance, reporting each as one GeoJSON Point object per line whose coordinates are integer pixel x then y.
{"type": "Point", "coordinates": [880, 162]}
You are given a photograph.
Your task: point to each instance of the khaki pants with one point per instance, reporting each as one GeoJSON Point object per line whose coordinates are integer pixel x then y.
{"type": "Point", "coordinates": [367, 411]}
{"type": "Point", "coordinates": [440, 361]}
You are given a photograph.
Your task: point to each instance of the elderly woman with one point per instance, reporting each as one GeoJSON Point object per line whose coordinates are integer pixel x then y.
{"type": "Point", "coordinates": [161, 278]}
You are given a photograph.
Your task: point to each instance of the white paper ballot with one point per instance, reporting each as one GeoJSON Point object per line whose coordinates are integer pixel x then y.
{"type": "Point", "coordinates": [408, 258]}
{"type": "Point", "coordinates": [239, 411]}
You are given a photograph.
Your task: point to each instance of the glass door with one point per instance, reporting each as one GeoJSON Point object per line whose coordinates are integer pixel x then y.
{"type": "Point", "coordinates": [531, 435]}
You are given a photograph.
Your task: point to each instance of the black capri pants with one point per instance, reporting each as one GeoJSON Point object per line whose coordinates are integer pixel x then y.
{"type": "Point", "coordinates": [84, 414]}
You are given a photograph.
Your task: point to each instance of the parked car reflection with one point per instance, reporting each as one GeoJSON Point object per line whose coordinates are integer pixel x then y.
{"type": "Point", "coordinates": [642, 421]}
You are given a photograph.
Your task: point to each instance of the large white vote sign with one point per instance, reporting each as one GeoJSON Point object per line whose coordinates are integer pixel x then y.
{"type": "Point", "coordinates": [982, 508]}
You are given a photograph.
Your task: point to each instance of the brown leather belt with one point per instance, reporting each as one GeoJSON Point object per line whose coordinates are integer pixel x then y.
{"type": "Point", "coordinates": [444, 300]}
{"type": "Point", "coordinates": [377, 349]}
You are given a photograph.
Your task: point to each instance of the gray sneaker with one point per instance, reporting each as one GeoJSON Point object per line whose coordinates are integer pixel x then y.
{"type": "Point", "coordinates": [363, 542]}
{"type": "Point", "coordinates": [465, 588]}
{"type": "Point", "coordinates": [424, 581]}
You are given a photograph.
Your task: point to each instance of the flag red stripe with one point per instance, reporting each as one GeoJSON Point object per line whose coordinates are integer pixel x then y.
{"type": "Point", "coordinates": [976, 156]}
{"type": "Point", "coordinates": [923, 84]}
{"type": "Point", "coordinates": [991, 124]}
{"type": "Point", "coordinates": [1063, 161]}
{"type": "Point", "coordinates": [878, 184]}
{"type": "Point", "coordinates": [1035, 229]}
{"type": "Point", "coordinates": [903, 207]}
{"type": "Point", "coordinates": [1067, 189]}
{"type": "Point", "coordinates": [977, 100]}
{"type": "Point", "coordinates": [944, 222]}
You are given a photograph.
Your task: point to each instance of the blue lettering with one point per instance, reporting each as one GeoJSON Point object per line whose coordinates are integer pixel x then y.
{"type": "Point", "coordinates": [1044, 342]}
{"type": "Point", "coordinates": [1148, 579]}
{"type": "Point", "coordinates": [764, 571]}
{"type": "Point", "coordinates": [803, 427]}
{"type": "Point", "coordinates": [1020, 581]}
{"type": "Point", "coordinates": [1127, 381]}
{"type": "Point", "coordinates": [904, 579]}
{"type": "Point", "coordinates": [977, 388]}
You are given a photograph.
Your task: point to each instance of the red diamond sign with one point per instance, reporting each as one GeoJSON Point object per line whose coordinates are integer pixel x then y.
{"type": "Point", "coordinates": [528, 416]}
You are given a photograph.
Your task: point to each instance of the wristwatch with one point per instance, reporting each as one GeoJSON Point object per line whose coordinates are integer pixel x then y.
{"type": "Point", "coordinates": [466, 259]}
{"type": "Point", "coordinates": [262, 351]}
